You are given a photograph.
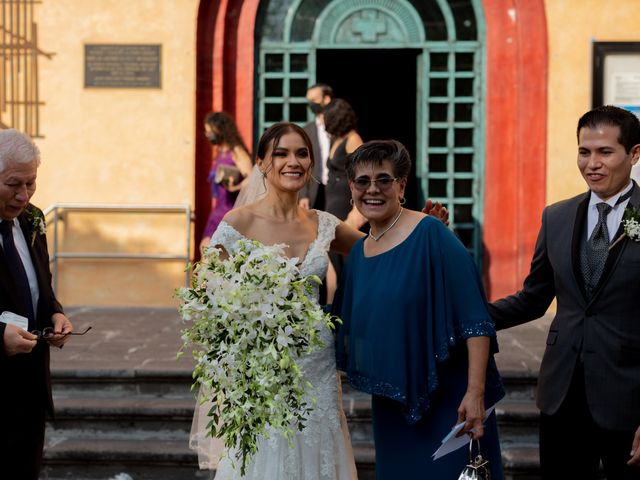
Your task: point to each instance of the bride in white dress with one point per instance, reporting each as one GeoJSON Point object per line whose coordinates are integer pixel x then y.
{"type": "Point", "coordinates": [322, 450]}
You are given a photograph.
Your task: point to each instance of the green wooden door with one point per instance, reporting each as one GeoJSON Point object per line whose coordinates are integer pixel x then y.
{"type": "Point", "coordinates": [449, 115]}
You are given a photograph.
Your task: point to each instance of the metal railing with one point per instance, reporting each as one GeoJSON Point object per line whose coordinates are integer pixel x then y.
{"type": "Point", "coordinates": [57, 213]}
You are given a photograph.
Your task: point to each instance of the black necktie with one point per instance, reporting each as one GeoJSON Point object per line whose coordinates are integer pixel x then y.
{"type": "Point", "coordinates": [17, 270]}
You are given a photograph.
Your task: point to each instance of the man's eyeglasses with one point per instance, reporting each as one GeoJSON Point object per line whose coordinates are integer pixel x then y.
{"type": "Point", "coordinates": [48, 333]}
{"type": "Point", "coordinates": [383, 183]}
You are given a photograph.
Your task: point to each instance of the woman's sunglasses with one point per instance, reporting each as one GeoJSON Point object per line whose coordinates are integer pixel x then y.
{"type": "Point", "coordinates": [383, 183]}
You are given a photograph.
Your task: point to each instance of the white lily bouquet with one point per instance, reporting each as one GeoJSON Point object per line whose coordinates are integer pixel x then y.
{"type": "Point", "coordinates": [252, 315]}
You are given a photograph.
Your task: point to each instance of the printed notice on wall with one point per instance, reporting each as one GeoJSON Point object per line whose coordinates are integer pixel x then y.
{"type": "Point", "coordinates": [122, 66]}
{"type": "Point", "coordinates": [626, 88]}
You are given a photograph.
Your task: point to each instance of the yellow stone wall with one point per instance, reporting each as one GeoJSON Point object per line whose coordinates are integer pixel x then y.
{"type": "Point", "coordinates": [573, 26]}
{"type": "Point", "coordinates": [136, 146]}
{"type": "Point", "coordinates": [124, 146]}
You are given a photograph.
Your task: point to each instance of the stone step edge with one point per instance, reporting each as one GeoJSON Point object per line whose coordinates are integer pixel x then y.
{"type": "Point", "coordinates": [510, 376]}
{"type": "Point", "coordinates": [96, 407]}
{"type": "Point", "coordinates": [93, 407]}
{"type": "Point", "coordinates": [140, 452]}
{"type": "Point", "coordinates": [159, 452]}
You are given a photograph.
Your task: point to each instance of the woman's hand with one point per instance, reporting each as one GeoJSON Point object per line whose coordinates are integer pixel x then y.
{"type": "Point", "coordinates": [471, 411]}
{"type": "Point", "coordinates": [231, 186]}
{"type": "Point", "coordinates": [436, 210]}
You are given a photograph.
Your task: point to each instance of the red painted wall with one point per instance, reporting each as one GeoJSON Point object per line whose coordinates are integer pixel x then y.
{"type": "Point", "coordinates": [516, 125]}
{"type": "Point", "coordinates": [516, 119]}
{"type": "Point", "coordinates": [224, 81]}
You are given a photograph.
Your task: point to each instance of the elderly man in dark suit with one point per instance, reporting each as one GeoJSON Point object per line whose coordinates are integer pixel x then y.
{"type": "Point", "coordinates": [312, 195]}
{"type": "Point", "coordinates": [25, 297]}
{"type": "Point", "coordinates": [585, 257]}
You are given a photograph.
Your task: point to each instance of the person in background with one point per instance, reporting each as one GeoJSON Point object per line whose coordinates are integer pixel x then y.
{"type": "Point", "coordinates": [589, 381]}
{"type": "Point", "coordinates": [416, 333]}
{"type": "Point", "coordinates": [341, 123]}
{"type": "Point", "coordinates": [230, 167]}
{"type": "Point", "coordinates": [25, 296]}
{"type": "Point", "coordinates": [313, 195]}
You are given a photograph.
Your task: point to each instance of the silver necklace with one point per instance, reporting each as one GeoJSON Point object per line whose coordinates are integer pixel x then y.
{"type": "Point", "coordinates": [386, 229]}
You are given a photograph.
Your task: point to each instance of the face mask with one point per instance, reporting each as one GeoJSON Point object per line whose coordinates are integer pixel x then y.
{"type": "Point", "coordinates": [214, 138]}
{"type": "Point", "coordinates": [316, 108]}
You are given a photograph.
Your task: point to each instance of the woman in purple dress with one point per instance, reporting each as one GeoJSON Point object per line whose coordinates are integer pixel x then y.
{"type": "Point", "coordinates": [229, 151]}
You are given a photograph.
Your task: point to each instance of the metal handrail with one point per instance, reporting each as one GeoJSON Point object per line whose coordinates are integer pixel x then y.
{"type": "Point", "coordinates": [59, 209]}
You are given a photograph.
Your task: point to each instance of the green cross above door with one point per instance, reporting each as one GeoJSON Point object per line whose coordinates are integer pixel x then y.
{"type": "Point", "coordinates": [369, 25]}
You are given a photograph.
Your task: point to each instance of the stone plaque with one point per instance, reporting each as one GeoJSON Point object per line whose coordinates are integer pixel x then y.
{"type": "Point", "coordinates": [122, 66]}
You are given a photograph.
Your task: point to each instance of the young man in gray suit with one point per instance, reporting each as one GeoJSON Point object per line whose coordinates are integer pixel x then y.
{"type": "Point", "coordinates": [27, 303]}
{"type": "Point", "coordinates": [589, 381]}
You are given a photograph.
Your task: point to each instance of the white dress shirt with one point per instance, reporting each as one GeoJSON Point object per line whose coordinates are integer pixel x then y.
{"type": "Point", "coordinates": [25, 256]}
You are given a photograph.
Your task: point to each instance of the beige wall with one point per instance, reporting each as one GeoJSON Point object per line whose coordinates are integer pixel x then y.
{"type": "Point", "coordinates": [573, 26]}
{"type": "Point", "coordinates": [117, 145]}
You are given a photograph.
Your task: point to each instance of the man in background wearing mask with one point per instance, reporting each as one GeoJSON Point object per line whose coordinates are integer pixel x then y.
{"type": "Point", "coordinates": [312, 195]}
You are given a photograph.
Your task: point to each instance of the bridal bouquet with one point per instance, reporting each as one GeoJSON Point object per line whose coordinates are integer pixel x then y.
{"type": "Point", "coordinates": [251, 316]}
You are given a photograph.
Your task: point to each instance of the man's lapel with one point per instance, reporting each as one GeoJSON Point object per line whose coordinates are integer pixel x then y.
{"type": "Point", "coordinates": [576, 242]}
{"type": "Point", "coordinates": [616, 252]}
{"type": "Point", "coordinates": [7, 285]}
{"type": "Point", "coordinates": [34, 244]}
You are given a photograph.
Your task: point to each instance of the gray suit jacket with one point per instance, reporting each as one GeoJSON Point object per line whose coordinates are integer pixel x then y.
{"type": "Point", "coordinates": [606, 328]}
{"type": "Point", "coordinates": [310, 190]}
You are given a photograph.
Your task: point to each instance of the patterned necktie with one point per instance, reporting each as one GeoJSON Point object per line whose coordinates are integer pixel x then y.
{"type": "Point", "coordinates": [17, 270]}
{"type": "Point", "coordinates": [599, 242]}
{"type": "Point", "coordinates": [596, 250]}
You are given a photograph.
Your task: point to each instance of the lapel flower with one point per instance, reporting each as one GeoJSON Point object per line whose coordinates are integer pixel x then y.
{"type": "Point", "coordinates": [37, 223]}
{"type": "Point", "coordinates": [630, 224]}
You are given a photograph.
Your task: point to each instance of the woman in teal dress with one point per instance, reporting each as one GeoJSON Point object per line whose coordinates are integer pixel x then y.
{"type": "Point", "coordinates": [416, 333]}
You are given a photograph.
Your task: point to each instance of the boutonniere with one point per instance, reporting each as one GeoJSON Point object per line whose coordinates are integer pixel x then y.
{"type": "Point", "coordinates": [631, 225]}
{"type": "Point", "coordinates": [37, 223]}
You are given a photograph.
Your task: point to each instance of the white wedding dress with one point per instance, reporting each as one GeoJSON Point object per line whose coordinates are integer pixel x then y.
{"type": "Point", "coordinates": [323, 449]}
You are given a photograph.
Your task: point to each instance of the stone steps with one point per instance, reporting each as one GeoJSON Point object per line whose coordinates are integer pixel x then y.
{"type": "Point", "coordinates": [124, 407]}
{"type": "Point", "coordinates": [126, 423]}
{"type": "Point", "coordinates": [113, 422]}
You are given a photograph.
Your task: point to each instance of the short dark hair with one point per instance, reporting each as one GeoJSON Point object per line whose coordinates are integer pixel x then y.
{"type": "Point", "coordinates": [275, 132]}
{"type": "Point", "coordinates": [223, 122]}
{"type": "Point", "coordinates": [378, 151]}
{"type": "Point", "coordinates": [614, 117]}
{"type": "Point", "coordinates": [327, 91]}
{"type": "Point", "coordinates": [339, 118]}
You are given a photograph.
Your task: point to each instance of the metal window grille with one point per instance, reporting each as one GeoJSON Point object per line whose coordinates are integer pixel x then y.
{"type": "Point", "coordinates": [19, 53]}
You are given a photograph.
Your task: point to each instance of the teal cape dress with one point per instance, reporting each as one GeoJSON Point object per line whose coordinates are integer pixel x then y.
{"type": "Point", "coordinates": [406, 314]}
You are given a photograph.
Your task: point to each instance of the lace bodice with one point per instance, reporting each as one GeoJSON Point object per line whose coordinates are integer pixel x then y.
{"type": "Point", "coordinates": [325, 434]}
{"type": "Point", "coordinates": [315, 262]}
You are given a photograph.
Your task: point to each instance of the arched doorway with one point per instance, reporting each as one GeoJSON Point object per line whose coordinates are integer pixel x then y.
{"type": "Point", "coordinates": [506, 71]}
{"type": "Point", "coordinates": [413, 71]}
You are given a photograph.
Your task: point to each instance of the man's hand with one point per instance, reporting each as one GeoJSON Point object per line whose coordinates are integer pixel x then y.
{"type": "Point", "coordinates": [304, 203]}
{"type": "Point", "coordinates": [61, 326]}
{"type": "Point", "coordinates": [17, 340]}
{"type": "Point", "coordinates": [634, 461]}
{"type": "Point", "coordinates": [437, 211]}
